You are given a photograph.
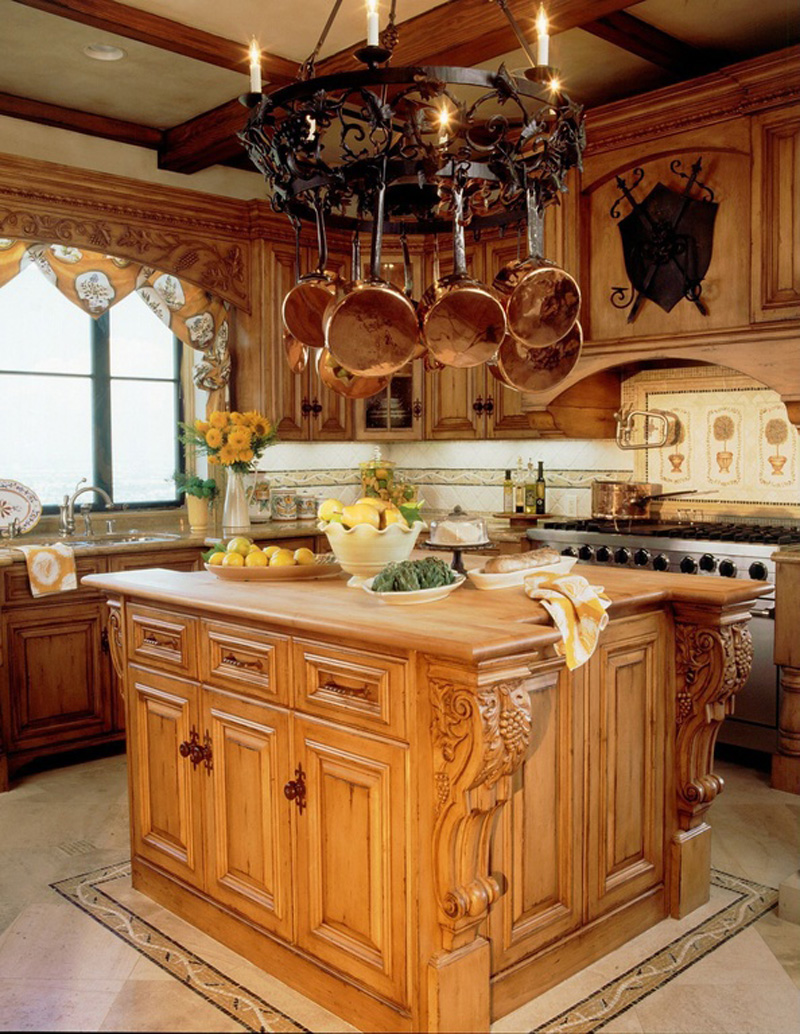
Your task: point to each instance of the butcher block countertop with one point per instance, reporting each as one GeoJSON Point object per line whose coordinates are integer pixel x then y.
{"type": "Point", "coordinates": [469, 625]}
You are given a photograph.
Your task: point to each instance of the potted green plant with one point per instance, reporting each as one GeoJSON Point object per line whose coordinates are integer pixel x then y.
{"type": "Point", "coordinates": [200, 494]}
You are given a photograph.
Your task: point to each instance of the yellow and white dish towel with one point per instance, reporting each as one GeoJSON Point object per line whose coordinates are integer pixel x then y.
{"type": "Point", "coordinates": [577, 608]}
{"type": "Point", "coordinates": [50, 568]}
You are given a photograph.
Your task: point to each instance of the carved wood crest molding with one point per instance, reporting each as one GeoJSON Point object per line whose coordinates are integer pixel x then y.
{"type": "Point", "coordinates": [713, 661]}
{"type": "Point", "coordinates": [480, 735]}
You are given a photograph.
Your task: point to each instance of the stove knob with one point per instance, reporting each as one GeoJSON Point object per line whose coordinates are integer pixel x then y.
{"type": "Point", "coordinates": [708, 562]}
{"type": "Point", "coordinates": [727, 569]}
{"type": "Point", "coordinates": [586, 552]}
{"type": "Point", "coordinates": [603, 554]}
{"type": "Point", "coordinates": [622, 556]}
{"type": "Point", "coordinates": [758, 571]}
{"type": "Point", "coordinates": [661, 563]}
{"type": "Point", "coordinates": [641, 557]}
{"type": "Point", "coordinates": [569, 551]}
{"type": "Point", "coordinates": [689, 565]}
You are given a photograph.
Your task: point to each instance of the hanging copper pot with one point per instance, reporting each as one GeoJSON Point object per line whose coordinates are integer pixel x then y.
{"type": "Point", "coordinates": [538, 369]}
{"type": "Point", "coordinates": [542, 300]}
{"type": "Point", "coordinates": [372, 330]}
{"type": "Point", "coordinates": [296, 353]}
{"type": "Point", "coordinates": [305, 304]}
{"type": "Point", "coordinates": [408, 290]}
{"type": "Point", "coordinates": [334, 376]}
{"type": "Point", "coordinates": [463, 321]}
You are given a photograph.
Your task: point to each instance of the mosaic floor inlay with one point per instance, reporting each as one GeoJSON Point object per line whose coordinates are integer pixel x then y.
{"type": "Point", "coordinates": [742, 903]}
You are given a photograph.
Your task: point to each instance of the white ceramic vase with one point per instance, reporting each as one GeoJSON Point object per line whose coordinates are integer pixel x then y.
{"type": "Point", "coordinates": [235, 512]}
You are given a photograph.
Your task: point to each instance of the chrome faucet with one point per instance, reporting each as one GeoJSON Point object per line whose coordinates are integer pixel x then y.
{"type": "Point", "coordinates": [66, 512]}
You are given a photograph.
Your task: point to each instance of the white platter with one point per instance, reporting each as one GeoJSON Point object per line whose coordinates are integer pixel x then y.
{"type": "Point", "coordinates": [293, 573]}
{"type": "Point", "coordinates": [506, 579]}
{"type": "Point", "coordinates": [405, 599]}
{"type": "Point", "coordinates": [20, 503]}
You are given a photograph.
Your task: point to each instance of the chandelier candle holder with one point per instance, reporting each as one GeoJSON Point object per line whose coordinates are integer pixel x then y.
{"type": "Point", "coordinates": [425, 150]}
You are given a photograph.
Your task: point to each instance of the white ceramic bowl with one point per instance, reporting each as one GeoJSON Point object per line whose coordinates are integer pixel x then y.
{"type": "Point", "coordinates": [363, 551]}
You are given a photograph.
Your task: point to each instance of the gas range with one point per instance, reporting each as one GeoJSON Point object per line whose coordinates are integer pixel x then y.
{"type": "Point", "coordinates": [729, 550]}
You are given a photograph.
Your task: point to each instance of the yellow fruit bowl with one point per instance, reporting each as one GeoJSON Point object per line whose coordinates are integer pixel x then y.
{"type": "Point", "coordinates": [363, 550]}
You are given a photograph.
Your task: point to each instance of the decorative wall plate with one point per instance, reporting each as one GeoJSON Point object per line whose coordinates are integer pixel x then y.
{"type": "Point", "coordinates": [20, 503]}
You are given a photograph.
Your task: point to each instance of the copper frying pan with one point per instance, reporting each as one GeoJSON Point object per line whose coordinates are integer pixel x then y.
{"type": "Point", "coordinates": [372, 330]}
{"type": "Point", "coordinates": [296, 353]}
{"type": "Point", "coordinates": [542, 301]}
{"type": "Point", "coordinates": [334, 376]}
{"type": "Point", "coordinates": [538, 369]}
{"type": "Point", "coordinates": [463, 321]}
{"type": "Point", "coordinates": [305, 304]}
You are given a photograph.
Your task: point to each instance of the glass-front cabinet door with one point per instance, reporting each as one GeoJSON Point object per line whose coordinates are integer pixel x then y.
{"type": "Point", "coordinates": [396, 413]}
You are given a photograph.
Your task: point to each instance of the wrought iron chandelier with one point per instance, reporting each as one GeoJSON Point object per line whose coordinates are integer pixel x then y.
{"type": "Point", "coordinates": [415, 150]}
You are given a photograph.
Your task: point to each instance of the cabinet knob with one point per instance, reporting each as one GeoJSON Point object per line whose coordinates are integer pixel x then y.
{"type": "Point", "coordinates": [295, 789]}
{"type": "Point", "coordinates": [489, 407]}
{"type": "Point", "coordinates": [416, 409]}
{"type": "Point", "coordinates": [316, 408]}
{"type": "Point", "coordinates": [198, 753]}
{"type": "Point", "coordinates": [305, 406]}
{"type": "Point", "coordinates": [477, 405]}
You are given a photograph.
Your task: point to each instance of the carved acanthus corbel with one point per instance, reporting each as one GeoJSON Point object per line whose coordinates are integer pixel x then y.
{"type": "Point", "coordinates": [480, 735]}
{"type": "Point", "coordinates": [714, 652]}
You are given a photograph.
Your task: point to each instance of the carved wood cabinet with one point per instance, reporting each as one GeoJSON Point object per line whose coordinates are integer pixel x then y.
{"type": "Point", "coordinates": [422, 820]}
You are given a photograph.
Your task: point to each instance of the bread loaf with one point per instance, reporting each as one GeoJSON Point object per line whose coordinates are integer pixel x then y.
{"type": "Point", "coordinates": [521, 561]}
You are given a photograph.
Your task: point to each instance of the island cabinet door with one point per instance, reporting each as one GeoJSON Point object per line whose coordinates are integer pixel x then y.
{"type": "Point", "coordinates": [629, 683]}
{"type": "Point", "coordinates": [248, 847]}
{"type": "Point", "coordinates": [538, 845]}
{"type": "Point", "coordinates": [351, 855]}
{"type": "Point", "coordinates": [166, 786]}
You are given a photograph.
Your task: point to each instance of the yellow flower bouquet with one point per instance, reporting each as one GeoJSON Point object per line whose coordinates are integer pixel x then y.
{"type": "Point", "coordinates": [232, 440]}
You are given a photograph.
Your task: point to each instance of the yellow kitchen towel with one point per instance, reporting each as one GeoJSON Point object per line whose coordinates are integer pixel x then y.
{"type": "Point", "coordinates": [50, 568]}
{"type": "Point", "coordinates": [577, 608]}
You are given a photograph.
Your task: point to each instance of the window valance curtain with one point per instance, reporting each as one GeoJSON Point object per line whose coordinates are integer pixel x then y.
{"type": "Point", "coordinates": [96, 282]}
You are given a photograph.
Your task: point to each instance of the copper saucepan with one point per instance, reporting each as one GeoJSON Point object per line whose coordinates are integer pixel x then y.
{"type": "Point", "coordinates": [305, 304]}
{"type": "Point", "coordinates": [537, 369]}
{"type": "Point", "coordinates": [542, 301]}
{"type": "Point", "coordinates": [372, 330]}
{"type": "Point", "coordinates": [612, 500]}
{"type": "Point", "coordinates": [463, 321]}
{"type": "Point", "coordinates": [296, 353]}
{"type": "Point", "coordinates": [334, 376]}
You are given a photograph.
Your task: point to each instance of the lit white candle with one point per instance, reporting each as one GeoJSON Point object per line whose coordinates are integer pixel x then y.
{"type": "Point", "coordinates": [542, 38]}
{"type": "Point", "coordinates": [444, 123]}
{"type": "Point", "coordinates": [372, 23]}
{"type": "Point", "coordinates": [255, 67]}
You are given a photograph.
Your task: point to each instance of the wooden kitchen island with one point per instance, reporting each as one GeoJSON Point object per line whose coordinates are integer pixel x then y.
{"type": "Point", "coordinates": [416, 815]}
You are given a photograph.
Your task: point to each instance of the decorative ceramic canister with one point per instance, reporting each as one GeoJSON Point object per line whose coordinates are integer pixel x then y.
{"type": "Point", "coordinates": [306, 507]}
{"type": "Point", "coordinates": [258, 498]}
{"type": "Point", "coordinates": [284, 506]}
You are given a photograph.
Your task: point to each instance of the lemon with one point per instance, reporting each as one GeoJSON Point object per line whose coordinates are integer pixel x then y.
{"type": "Point", "coordinates": [239, 545]}
{"type": "Point", "coordinates": [371, 500]}
{"type": "Point", "coordinates": [394, 517]}
{"type": "Point", "coordinates": [268, 551]}
{"type": "Point", "coordinates": [256, 559]}
{"type": "Point", "coordinates": [330, 509]}
{"type": "Point", "coordinates": [303, 555]}
{"type": "Point", "coordinates": [360, 513]}
{"type": "Point", "coordinates": [233, 560]}
{"type": "Point", "coordinates": [216, 559]}
{"type": "Point", "coordinates": [253, 549]}
{"type": "Point", "coordinates": [283, 558]}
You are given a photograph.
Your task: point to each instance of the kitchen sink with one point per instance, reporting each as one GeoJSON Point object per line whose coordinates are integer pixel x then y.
{"type": "Point", "coordinates": [122, 539]}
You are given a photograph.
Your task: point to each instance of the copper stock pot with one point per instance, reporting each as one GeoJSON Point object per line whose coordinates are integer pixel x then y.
{"type": "Point", "coordinates": [628, 499]}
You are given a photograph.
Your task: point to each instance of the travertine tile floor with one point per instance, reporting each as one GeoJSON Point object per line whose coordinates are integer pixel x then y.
{"type": "Point", "coordinates": [60, 970]}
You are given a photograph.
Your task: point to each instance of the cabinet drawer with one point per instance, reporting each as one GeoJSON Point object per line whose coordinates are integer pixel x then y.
{"type": "Point", "coordinates": [16, 587]}
{"type": "Point", "coordinates": [353, 686]}
{"type": "Point", "coordinates": [162, 639]}
{"type": "Point", "coordinates": [246, 660]}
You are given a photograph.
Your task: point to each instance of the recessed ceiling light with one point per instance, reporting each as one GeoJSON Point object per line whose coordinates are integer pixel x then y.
{"type": "Point", "coordinates": [104, 52]}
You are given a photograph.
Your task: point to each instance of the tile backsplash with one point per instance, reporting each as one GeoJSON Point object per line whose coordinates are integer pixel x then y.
{"type": "Point", "coordinates": [469, 474]}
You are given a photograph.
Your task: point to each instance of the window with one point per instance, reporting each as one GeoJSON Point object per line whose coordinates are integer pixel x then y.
{"type": "Point", "coordinates": [89, 398]}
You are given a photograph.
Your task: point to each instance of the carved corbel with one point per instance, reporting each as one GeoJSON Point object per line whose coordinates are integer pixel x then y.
{"type": "Point", "coordinates": [115, 645]}
{"type": "Point", "coordinates": [480, 737]}
{"type": "Point", "coordinates": [714, 653]}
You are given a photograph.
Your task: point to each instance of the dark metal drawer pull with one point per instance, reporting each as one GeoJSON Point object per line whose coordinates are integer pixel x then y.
{"type": "Point", "coordinates": [295, 789]}
{"type": "Point", "coordinates": [345, 691]}
{"type": "Point", "coordinates": [234, 662]}
{"type": "Point", "coordinates": [151, 639]}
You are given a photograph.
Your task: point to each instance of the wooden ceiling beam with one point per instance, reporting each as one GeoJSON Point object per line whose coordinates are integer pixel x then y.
{"type": "Point", "coordinates": [680, 59]}
{"type": "Point", "coordinates": [476, 32]}
{"type": "Point", "coordinates": [79, 121]}
{"type": "Point", "coordinates": [164, 33]}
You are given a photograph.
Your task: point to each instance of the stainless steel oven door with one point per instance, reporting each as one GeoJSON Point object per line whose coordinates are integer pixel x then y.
{"type": "Point", "coordinates": [754, 722]}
